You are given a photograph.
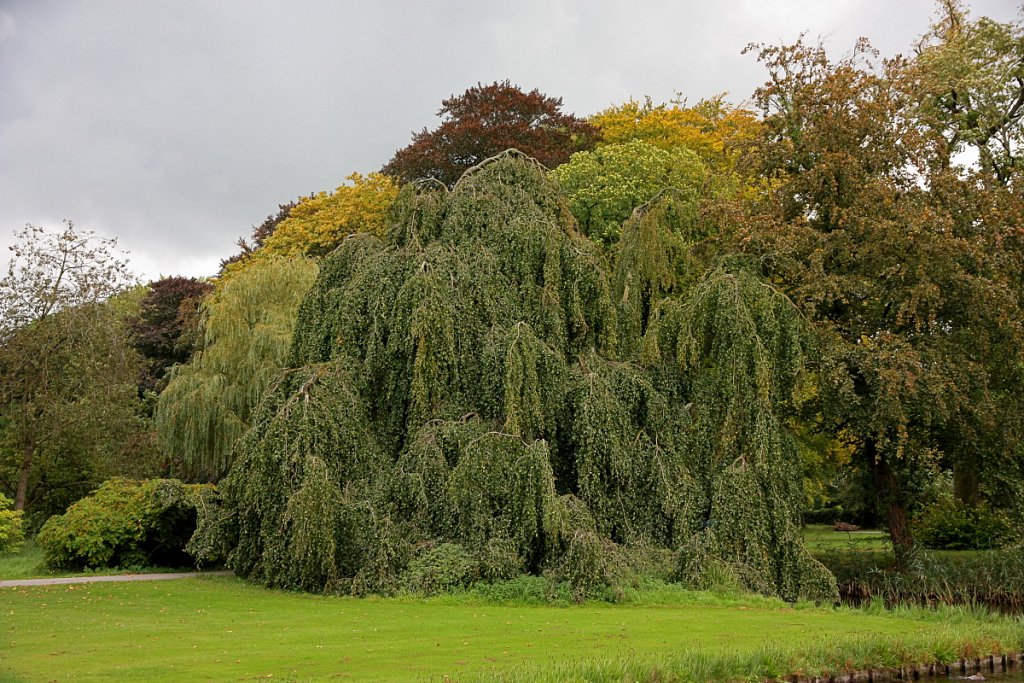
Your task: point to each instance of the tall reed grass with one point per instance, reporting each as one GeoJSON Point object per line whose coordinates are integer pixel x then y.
{"type": "Point", "coordinates": [994, 578]}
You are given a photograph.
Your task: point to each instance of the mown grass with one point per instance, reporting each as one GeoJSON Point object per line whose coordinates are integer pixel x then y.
{"type": "Point", "coordinates": [820, 538]}
{"type": "Point", "coordinates": [24, 563]}
{"type": "Point", "coordinates": [224, 629]}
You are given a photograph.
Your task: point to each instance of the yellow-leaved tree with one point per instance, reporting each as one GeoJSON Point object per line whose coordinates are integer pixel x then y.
{"type": "Point", "coordinates": [713, 129]}
{"type": "Point", "coordinates": [318, 223]}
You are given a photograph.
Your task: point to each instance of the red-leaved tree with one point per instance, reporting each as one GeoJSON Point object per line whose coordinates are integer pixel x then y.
{"type": "Point", "coordinates": [164, 331]}
{"type": "Point", "coordinates": [486, 120]}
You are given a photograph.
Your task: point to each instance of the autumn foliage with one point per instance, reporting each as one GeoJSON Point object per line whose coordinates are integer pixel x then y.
{"type": "Point", "coordinates": [164, 330]}
{"type": "Point", "coordinates": [486, 120]}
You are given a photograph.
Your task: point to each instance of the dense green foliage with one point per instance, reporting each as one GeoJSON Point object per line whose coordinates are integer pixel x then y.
{"type": "Point", "coordinates": [603, 186]}
{"type": "Point", "coordinates": [994, 578]}
{"type": "Point", "coordinates": [126, 523]}
{"type": "Point", "coordinates": [903, 270]}
{"type": "Point", "coordinates": [951, 525]}
{"type": "Point", "coordinates": [645, 362]}
{"type": "Point", "coordinates": [67, 371]}
{"type": "Point", "coordinates": [484, 379]}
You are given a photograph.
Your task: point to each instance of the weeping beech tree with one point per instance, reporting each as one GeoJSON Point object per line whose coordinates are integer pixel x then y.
{"type": "Point", "coordinates": [484, 380]}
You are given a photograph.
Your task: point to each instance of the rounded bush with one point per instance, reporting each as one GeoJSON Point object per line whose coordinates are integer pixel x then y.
{"type": "Point", "coordinates": [948, 525]}
{"type": "Point", "coordinates": [441, 569]}
{"type": "Point", "coordinates": [125, 523]}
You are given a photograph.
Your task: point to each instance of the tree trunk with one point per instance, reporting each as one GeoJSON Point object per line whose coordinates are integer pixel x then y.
{"type": "Point", "coordinates": [965, 484]}
{"type": "Point", "coordinates": [890, 498]}
{"type": "Point", "coordinates": [21, 495]}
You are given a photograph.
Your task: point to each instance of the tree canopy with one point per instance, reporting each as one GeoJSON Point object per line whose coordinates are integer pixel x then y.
{"type": "Point", "coordinates": [605, 185]}
{"type": "Point", "coordinates": [970, 74]}
{"type": "Point", "coordinates": [53, 271]}
{"type": "Point", "coordinates": [486, 120]}
{"type": "Point", "coordinates": [163, 331]}
{"type": "Point", "coordinates": [714, 130]}
{"type": "Point", "coordinates": [917, 322]}
{"type": "Point", "coordinates": [318, 223]}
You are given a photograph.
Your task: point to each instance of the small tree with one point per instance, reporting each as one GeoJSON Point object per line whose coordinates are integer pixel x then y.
{"type": "Point", "coordinates": [486, 120]}
{"type": "Point", "coordinates": [52, 271]}
{"type": "Point", "coordinates": [605, 185]}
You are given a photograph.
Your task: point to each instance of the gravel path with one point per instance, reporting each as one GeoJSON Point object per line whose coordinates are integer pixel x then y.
{"type": "Point", "coordinates": [110, 577]}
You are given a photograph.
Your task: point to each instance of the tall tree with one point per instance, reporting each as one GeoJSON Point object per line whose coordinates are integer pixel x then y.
{"type": "Point", "coordinates": [486, 120]}
{"type": "Point", "coordinates": [970, 74]}
{"type": "Point", "coordinates": [465, 383]}
{"type": "Point", "coordinates": [66, 366]}
{"type": "Point", "coordinates": [910, 307]}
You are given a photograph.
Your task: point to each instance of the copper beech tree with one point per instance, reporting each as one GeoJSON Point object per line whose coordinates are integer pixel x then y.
{"type": "Point", "coordinates": [486, 120]}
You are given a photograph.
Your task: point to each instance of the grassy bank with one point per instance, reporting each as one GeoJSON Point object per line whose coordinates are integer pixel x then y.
{"type": "Point", "coordinates": [864, 566]}
{"type": "Point", "coordinates": [24, 563]}
{"type": "Point", "coordinates": [224, 629]}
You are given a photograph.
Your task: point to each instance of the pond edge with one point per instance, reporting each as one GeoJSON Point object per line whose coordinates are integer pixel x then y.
{"type": "Point", "coordinates": [994, 663]}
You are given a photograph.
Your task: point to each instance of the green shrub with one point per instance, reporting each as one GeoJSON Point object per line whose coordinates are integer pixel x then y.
{"type": "Point", "coordinates": [588, 566]}
{"type": "Point", "coordinates": [949, 525]}
{"type": "Point", "coordinates": [125, 523]}
{"type": "Point", "coordinates": [524, 589]}
{"type": "Point", "coordinates": [11, 531]}
{"type": "Point", "coordinates": [441, 569]}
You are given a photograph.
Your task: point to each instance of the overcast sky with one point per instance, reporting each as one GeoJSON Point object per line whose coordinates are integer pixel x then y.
{"type": "Point", "coordinates": [177, 125]}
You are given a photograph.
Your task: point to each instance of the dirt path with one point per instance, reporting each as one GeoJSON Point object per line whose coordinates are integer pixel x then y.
{"type": "Point", "coordinates": [56, 581]}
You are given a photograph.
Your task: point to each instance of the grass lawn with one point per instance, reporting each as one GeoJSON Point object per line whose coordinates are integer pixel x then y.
{"type": "Point", "coordinates": [821, 538]}
{"type": "Point", "coordinates": [224, 629]}
{"type": "Point", "coordinates": [27, 563]}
